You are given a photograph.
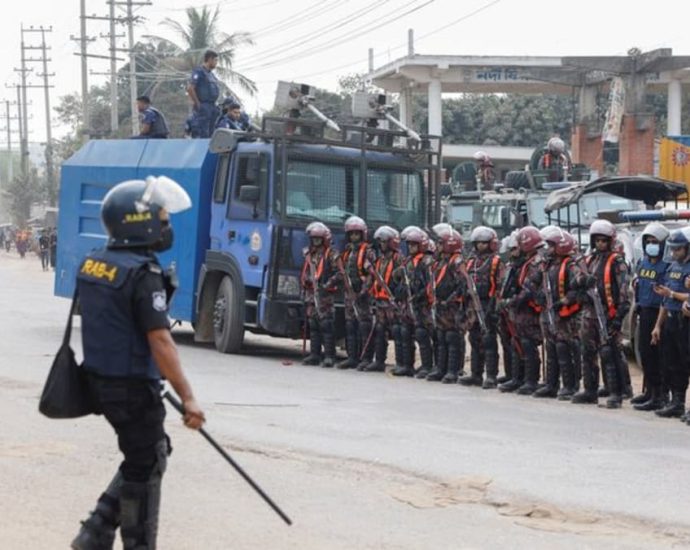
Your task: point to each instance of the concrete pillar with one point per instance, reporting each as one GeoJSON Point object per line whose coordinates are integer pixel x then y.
{"type": "Point", "coordinates": [587, 106]}
{"type": "Point", "coordinates": [587, 148]}
{"type": "Point", "coordinates": [636, 145]}
{"type": "Point", "coordinates": [406, 106]}
{"type": "Point", "coordinates": [674, 109]}
{"type": "Point", "coordinates": [435, 107]}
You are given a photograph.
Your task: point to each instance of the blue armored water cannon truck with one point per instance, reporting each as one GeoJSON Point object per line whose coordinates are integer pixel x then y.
{"type": "Point", "coordinates": [238, 251]}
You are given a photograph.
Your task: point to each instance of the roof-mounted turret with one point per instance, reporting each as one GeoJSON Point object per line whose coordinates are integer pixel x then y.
{"type": "Point", "coordinates": [296, 98]}
{"type": "Point", "coordinates": [376, 107]}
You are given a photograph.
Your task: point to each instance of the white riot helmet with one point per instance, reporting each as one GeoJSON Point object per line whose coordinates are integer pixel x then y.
{"type": "Point", "coordinates": [483, 234]}
{"type": "Point", "coordinates": [550, 232]}
{"type": "Point", "coordinates": [481, 156]}
{"type": "Point", "coordinates": [603, 228]}
{"type": "Point", "coordinates": [556, 145]}
{"type": "Point", "coordinates": [656, 230]}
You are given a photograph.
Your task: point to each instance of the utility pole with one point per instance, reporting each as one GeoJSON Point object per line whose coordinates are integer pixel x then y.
{"type": "Point", "coordinates": [131, 19]}
{"type": "Point", "coordinates": [84, 40]}
{"type": "Point", "coordinates": [9, 118]}
{"type": "Point", "coordinates": [50, 172]}
{"type": "Point", "coordinates": [112, 74]}
{"type": "Point", "coordinates": [21, 90]}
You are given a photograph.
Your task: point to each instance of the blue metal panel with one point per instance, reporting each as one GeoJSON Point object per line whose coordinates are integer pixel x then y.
{"type": "Point", "coordinates": [99, 165]}
{"type": "Point", "coordinates": [685, 140]}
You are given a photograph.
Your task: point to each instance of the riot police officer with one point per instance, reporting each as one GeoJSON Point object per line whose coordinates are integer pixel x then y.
{"type": "Point", "coordinates": [203, 89]}
{"type": "Point", "coordinates": [602, 322]}
{"type": "Point", "coordinates": [319, 281]}
{"type": "Point", "coordinates": [486, 269]}
{"type": "Point", "coordinates": [383, 291]}
{"type": "Point", "coordinates": [671, 328]}
{"type": "Point", "coordinates": [123, 294]}
{"type": "Point", "coordinates": [650, 271]}
{"type": "Point", "coordinates": [355, 264]}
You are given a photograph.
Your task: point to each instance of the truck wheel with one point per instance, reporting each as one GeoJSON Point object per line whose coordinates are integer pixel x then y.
{"type": "Point", "coordinates": [228, 317]}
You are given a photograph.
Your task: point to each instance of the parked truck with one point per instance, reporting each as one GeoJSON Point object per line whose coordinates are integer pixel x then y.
{"type": "Point", "coordinates": [238, 251]}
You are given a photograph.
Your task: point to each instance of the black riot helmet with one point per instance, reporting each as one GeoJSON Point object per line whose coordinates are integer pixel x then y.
{"type": "Point", "coordinates": [131, 212]}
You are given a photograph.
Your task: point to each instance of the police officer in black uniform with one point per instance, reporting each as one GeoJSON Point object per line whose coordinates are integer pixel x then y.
{"type": "Point", "coordinates": [123, 294]}
{"type": "Point", "coordinates": [203, 89]}
{"type": "Point", "coordinates": [152, 122]}
{"type": "Point", "coordinates": [671, 328]}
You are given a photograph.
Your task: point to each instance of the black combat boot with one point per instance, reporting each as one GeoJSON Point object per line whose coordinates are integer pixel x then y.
{"type": "Point", "coordinates": [590, 379]}
{"type": "Point", "coordinates": [550, 388]}
{"type": "Point", "coordinates": [518, 372]}
{"type": "Point", "coordinates": [328, 343]}
{"type": "Point", "coordinates": [643, 397]}
{"type": "Point", "coordinates": [617, 374]}
{"type": "Point", "coordinates": [507, 363]}
{"type": "Point", "coordinates": [139, 505]}
{"type": "Point", "coordinates": [532, 367]}
{"type": "Point", "coordinates": [565, 364]}
{"type": "Point", "coordinates": [475, 378]}
{"type": "Point", "coordinates": [675, 408]}
{"type": "Point", "coordinates": [381, 350]}
{"type": "Point", "coordinates": [654, 403]}
{"type": "Point", "coordinates": [406, 353]}
{"type": "Point", "coordinates": [491, 359]}
{"type": "Point", "coordinates": [367, 346]}
{"type": "Point", "coordinates": [453, 357]}
{"type": "Point", "coordinates": [314, 357]}
{"type": "Point", "coordinates": [426, 354]}
{"type": "Point", "coordinates": [351, 346]}
{"type": "Point", "coordinates": [98, 531]}
{"type": "Point", "coordinates": [576, 354]}
{"type": "Point", "coordinates": [441, 365]}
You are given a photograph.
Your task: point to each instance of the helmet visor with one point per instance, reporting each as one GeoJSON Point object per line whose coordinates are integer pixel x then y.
{"type": "Point", "coordinates": [166, 193]}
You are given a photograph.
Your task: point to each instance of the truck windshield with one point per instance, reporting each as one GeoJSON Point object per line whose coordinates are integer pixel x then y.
{"type": "Point", "coordinates": [459, 213]}
{"type": "Point", "coordinates": [394, 198]}
{"type": "Point", "coordinates": [330, 193]}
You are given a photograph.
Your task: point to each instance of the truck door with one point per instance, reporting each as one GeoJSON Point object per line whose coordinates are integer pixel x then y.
{"type": "Point", "coordinates": [243, 229]}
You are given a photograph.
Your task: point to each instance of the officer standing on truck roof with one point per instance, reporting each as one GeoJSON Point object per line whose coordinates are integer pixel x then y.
{"type": "Point", "coordinates": [123, 295]}
{"type": "Point", "coordinates": [203, 89]}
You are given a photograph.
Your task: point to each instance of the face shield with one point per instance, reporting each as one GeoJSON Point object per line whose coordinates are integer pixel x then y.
{"type": "Point", "coordinates": [670, 257]}
{"type": "Point", "coordinates": [166, 193]}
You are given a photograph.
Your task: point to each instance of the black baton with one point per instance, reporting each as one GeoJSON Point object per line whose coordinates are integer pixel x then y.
{"type": "Point", "coordinates": [178, 406]}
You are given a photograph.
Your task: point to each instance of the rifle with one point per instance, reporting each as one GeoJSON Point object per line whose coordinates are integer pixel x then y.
{"type": "Point", "coordinates": [348, 286]}
{"type": "Point", "coordinates": [593, 294]}
{"type": "Point", "coordinates": [508, 314]}
{"type": "Point", "coordinates": [476, 302]}
{"type": "Point", "coordinates": [180, 408]}
{"type": "Point", "coordinates": [385, 287]}
{"type": "Point", "coordinates": [432, 281]}
{"type": "Point", "coordinates": [409, 295]}
{"type": "Point", "coordinates": [546, 287]}
{"type": "Point", "coordinates": [315, 283]}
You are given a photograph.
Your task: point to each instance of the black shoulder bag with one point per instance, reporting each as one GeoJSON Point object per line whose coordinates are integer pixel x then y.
{"type": "Point", "coordinates": [65, 393]}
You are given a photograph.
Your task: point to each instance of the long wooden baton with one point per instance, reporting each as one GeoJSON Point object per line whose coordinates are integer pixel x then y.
{"type": "Point", "coordinates": [178, 406]}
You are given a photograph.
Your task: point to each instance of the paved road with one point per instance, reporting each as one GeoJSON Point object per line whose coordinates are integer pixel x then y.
{"type": "Point", "coordinates": [357, 460]}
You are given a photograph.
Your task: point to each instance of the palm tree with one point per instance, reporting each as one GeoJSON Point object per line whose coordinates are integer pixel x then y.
{"type": "Point", "coordinates": [200, 33]}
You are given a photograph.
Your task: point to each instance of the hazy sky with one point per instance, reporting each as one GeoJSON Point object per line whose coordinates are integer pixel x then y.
{"type": "Point", "coordinates": [317, 41]}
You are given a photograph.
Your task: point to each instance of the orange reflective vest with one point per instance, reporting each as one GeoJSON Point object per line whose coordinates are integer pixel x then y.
{"type": "Point", "coordinates": [521, 280]}
{"type": "Point", "coordinates": [377, 290]}
{"type": "Point", "coordinates": [319, 268]}
{"type": "Point", "coordinates": [564, 311]}
{"type": "Point", "coordinates": [611, 308]}
{"type": "Point", "coordinates": [493, 284]}
{"type": "Point", "coordinates": [361, 253]}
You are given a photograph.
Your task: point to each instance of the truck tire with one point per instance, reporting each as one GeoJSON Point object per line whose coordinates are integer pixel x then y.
{"type": "Point", "coordinates": [228, 316]}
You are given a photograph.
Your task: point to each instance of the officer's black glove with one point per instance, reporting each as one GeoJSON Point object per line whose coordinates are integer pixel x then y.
{"type": "Point", "coordinates": [540, 299]}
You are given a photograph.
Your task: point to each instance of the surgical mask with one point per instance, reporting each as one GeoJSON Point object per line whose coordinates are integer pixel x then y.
{"type": "Point", "coordinates": [166, 240]}
{"type": "Point", "coordinates": [652, 249]}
